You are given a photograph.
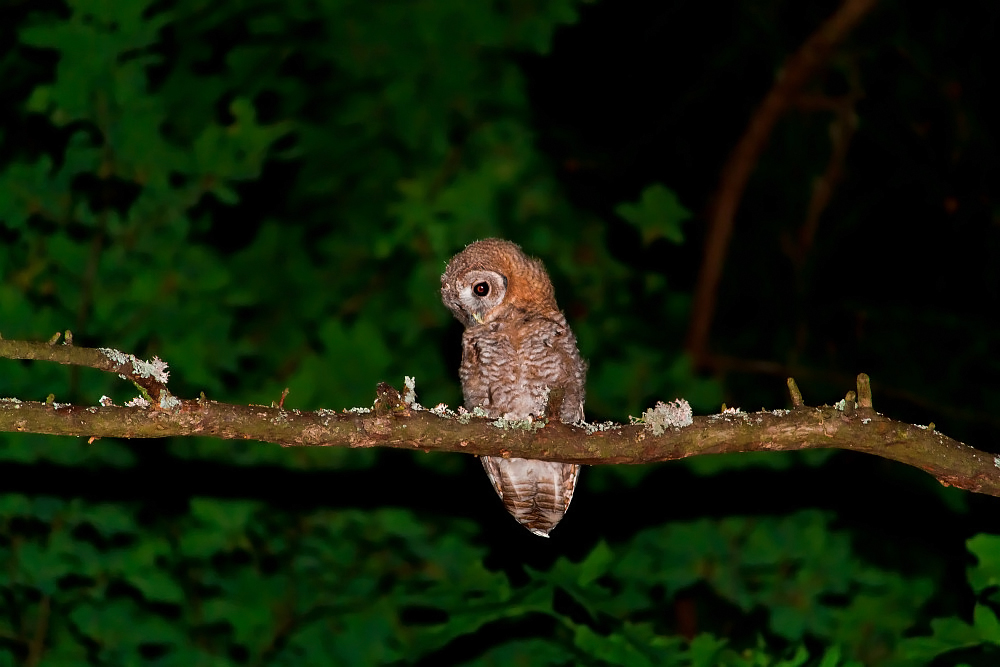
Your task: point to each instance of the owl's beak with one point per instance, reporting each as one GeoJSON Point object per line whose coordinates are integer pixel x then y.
{"type": "Point", "coordinates": [478, 318]}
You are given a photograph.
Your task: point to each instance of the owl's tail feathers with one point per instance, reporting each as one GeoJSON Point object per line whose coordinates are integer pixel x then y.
{"type": "Point", "coordinates": [536, 493]}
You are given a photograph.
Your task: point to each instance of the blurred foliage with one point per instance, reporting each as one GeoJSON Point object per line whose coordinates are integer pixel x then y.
{"type": "Point", "coordinates": [233, 582]}
{"type": "Point", "coordinates": [952, 635]}
{"type": "Point", "coordinates": [265, 193]}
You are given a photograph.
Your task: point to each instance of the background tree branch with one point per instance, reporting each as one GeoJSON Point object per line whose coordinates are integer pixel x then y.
{"type": "Point", "coordinates": [798, 70]}
{"type": "Point", "coordinates": [395, 421]}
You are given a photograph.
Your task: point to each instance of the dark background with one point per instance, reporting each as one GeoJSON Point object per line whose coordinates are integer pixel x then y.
{"type": "Point", "coordinates": [264, 195]}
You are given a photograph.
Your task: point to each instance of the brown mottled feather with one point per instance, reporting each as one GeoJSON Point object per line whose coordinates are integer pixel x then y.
{"type": "Point", "coordinates": [516, 347]}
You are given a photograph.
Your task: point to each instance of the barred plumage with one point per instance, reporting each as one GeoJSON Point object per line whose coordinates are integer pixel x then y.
{"type": "Point", "coordinates": [516, 348]}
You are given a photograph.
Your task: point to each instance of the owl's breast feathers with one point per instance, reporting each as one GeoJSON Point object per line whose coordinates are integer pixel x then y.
{"type": "Point", "coordinates": [509, 367]}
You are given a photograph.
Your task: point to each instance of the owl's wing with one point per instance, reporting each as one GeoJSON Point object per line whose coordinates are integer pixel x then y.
{"type": "Point", "coordinates": [492, 467]}
{"type": "Point", "coordinates": [536, 493]}
{"type": "Point", "coordinates": [572, 369]}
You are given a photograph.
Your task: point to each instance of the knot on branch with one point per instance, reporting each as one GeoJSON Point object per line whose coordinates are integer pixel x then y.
{"type": "Point", "coordinates": [851, 404]}
{"type": "Point", "coordinates": [388, 400]}
{"type": "Point", "coordinates": [795, 394]}
{"type": "Point", "coordinates": [864, 392]}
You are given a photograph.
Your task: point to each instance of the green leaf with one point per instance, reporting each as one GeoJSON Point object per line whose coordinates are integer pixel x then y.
{"type": "Point", "coordinates": [120, 626]}
{"type": "Point", "coordinates": [986, 624]}
{"type": "Point", "coordinates": [705, 649]}
{"type": "Point", "coordinates": [634, 645]}
{"type": "Point", "coordinates": [657, 214]}
{"type": "Point", "coordinates": [225, 516]}
{"type": "Point", "coordinates": [947, 634]}
{"type": "Point", "coordinates": [595, 565]}
{"type": "Point", "coordinates": [220, 526]}
{"type": "Point", "coordinates": [986, 572]}
{"type": "Point", "coordinates": [109, 519]}
{"type": "Point", "coordinates": [157, 586]}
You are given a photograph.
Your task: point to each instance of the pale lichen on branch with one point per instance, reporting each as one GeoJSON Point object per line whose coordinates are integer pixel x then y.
{"type": "Point", "coordinates": [665, 432]}
{"type": "Point", "coordinates": [155, 369]}
{"type": "Point", "coordinates": [675, 414]}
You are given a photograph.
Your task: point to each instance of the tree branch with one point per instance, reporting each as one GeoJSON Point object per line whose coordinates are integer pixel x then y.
{"type": "Point", "coordinates": [397, 421]}
{"type": "Point", "coordinates": [150, 377]}
{"type": "Point", "coordinates": [797, 71]}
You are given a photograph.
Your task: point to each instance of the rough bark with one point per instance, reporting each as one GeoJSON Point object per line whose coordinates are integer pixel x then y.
{"type": "Point", "coordinates": [397, 422]}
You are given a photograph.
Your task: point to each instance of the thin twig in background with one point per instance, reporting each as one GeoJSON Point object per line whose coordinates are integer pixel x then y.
{"type": "Point", "coordinates": [798, 70]}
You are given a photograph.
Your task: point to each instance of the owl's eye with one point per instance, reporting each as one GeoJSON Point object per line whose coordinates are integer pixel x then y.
{"type": "Point", "coordinates": [481, 289]}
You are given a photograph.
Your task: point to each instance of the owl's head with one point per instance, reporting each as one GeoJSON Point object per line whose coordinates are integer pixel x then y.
{"type": "Point", "coordinates": [492, 279]}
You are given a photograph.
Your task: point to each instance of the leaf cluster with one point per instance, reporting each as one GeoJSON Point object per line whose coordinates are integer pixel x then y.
{"type": "Point", "coordinates": [264, 194]}
{"type": "Point", "coordinates": [237, 582]}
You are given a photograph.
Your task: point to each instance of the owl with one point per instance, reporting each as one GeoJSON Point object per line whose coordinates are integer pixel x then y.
{"type": "Point", "coordinates": [516, 348]}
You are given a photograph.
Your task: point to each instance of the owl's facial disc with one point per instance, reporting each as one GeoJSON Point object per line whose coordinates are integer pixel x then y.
{"type": "Point", "coordinates": [480, 293]}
